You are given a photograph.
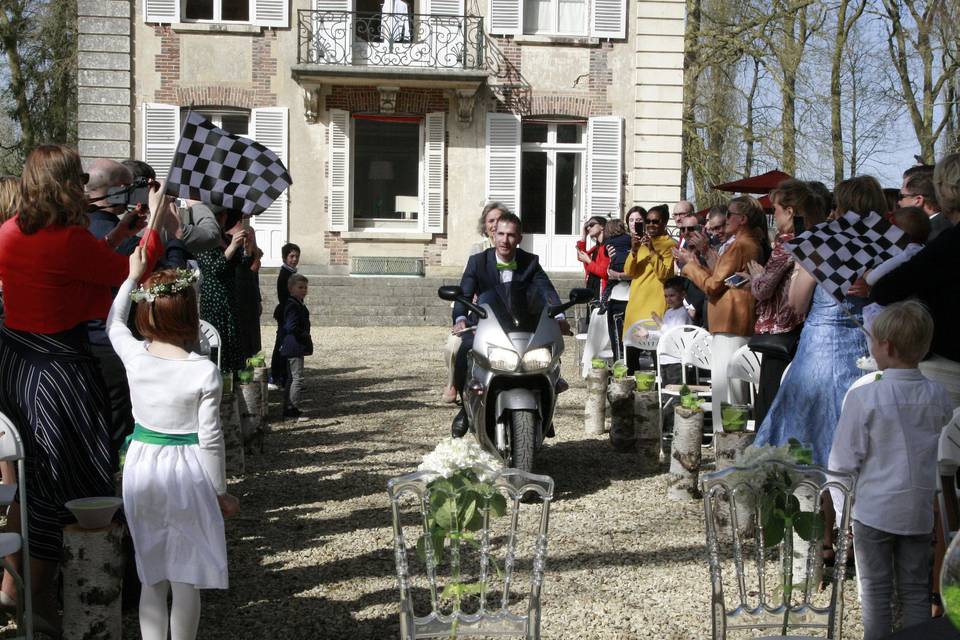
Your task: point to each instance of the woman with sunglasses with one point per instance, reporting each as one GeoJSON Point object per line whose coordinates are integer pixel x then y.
{"type": "Point", "coordinates": [648, 266]}
{"type": "Point", "coordinates": [594, 259]}
{"type": "Point", "coordinates": [57, 277]}
{"type": "Point", "coordinates": [730, 307]}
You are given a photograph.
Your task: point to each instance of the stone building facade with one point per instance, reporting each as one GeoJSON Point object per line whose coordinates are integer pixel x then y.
{"type": "Point", "coordinates": [399, 119]}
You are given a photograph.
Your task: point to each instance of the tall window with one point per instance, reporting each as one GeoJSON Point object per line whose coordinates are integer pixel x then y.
{"type": "Point", "coordinates": [551, 176]}
{"type": "Point", "coordinates": [217, 10]}
{"type": "Point", "coordinates": [386, 170]}
{"type": "Point", "coordinates": [556, 17]}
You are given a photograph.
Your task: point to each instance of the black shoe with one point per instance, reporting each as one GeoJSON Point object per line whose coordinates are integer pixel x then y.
{"type": "Point", "coordinates": [291, 412]}
{"type": "Point", "coordinates": [459, 426]}
{"type": "Point", "coordinates": [550, 433]}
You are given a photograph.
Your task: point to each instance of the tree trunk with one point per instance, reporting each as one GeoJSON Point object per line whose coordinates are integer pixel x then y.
{"type": "Point", "coordinates": [92, 582]}
{"type": "Point", "coordinates": [620, 393]}
{"type": "Point", "coordinates": [685, 455]}
{"type": "Point", "coordinates": [261, 376]}
{"type": "Point", "coordinates": [595, 409]}
{"type": "Point", "coordinates": [836, 124]}
{"type": "Point", "coordinates": [232, 434]}
{"type": "Point", "coordinates": [250, 408]}
{"type": "Point", "coordinates": [646, 427]}
{"type": "Point", "coordinates": [726, 446]}
{"type": "Point", "coordinates": [10, 37]}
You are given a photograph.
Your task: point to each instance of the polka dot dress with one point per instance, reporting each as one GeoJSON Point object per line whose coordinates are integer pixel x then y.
{"type": "Point", "coordinates": [217, 303]}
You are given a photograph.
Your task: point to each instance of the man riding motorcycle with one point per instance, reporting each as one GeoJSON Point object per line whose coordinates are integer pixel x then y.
{"type": "Point", "coordinates": [497, 269]}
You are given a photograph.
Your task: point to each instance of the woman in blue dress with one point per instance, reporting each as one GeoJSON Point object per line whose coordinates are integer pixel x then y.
{"type": "Point", "coordinates": [807, 406]}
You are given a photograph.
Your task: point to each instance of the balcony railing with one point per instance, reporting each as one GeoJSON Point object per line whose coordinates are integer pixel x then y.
{"type": "Point", "coordinates": [391, 40]}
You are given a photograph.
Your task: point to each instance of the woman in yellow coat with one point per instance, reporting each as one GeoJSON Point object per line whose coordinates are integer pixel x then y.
{"type": "Point", "coordinates": [648, 266]}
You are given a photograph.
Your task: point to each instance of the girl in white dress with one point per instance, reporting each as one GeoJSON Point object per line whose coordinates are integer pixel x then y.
{"type": "Point", "coordinates": [174, 483]}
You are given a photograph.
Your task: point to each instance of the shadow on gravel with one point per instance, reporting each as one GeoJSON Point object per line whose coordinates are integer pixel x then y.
{"type": "Point", "coordinates": [660, 555]}
{"type": "Point", "coordinates": [582, 467]}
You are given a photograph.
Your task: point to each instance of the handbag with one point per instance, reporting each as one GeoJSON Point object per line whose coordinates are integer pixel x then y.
{"type": "Point", "coordinates": [780, 345]}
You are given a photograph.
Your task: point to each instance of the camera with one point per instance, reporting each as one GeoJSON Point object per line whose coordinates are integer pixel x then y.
{"type": "Point", "coordinates": [138, 192]}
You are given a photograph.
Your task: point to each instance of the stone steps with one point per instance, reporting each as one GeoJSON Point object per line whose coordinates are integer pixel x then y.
{"type": "Point", "coordinates": [356, 301]}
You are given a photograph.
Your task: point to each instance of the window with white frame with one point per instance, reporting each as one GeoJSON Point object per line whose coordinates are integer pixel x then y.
{"type": "Point", "coordinates": [594, 18]}
{"type": "Point", "coordinates": [265, 13]}
{"type": "Point", "coordinates": [552, 176]}
{"type": "Point", "coordinates": [386, 172]}
{"type": "Point", "coordinates": [555, 17]}
{"type": "Point", "coordinates": [235, 121]}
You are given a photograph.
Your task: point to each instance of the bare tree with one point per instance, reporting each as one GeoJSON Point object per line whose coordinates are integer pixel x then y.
{"type": "Point", "coordinates": [844, 26]}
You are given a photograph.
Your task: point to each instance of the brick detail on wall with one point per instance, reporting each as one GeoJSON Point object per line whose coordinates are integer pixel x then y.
{"type": "Point", "coordinates": [562, 105]}
{"type": "Point", "coordinates": [433, 251]}
{"type": "Point", "coordinates": [339, 252]}
{"type": "Point", "coordinates": [167, 64]}
{"type": "Point", "coordinates": [260, 94]}
{"type": "Point", "coordinates": [410, 101]}
{"type": "Point", "coordinates": [601, 77]}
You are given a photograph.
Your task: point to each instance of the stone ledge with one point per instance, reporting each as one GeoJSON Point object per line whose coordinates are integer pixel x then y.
{"type": "Point", "coordinates": [381, 236]}
{"type": "Point", "coordinates": [576, 41]}
{"type": "Point", "coordinates": [215, 27]}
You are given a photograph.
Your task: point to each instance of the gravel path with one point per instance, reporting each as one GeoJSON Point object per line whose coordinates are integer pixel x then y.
{"type": "Point", "coordinates": [311, 553]}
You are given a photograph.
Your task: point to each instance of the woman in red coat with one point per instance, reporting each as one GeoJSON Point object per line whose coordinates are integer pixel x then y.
{"type": "Point", "coordinates": [595, 260]}
{"type": "Point", "coordinates": [57, 276]}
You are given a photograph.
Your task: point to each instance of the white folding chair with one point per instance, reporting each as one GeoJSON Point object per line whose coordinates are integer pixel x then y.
{"type": "Point", "coordinates": [11, 449]}
{"type": "Point", "coordinates": [642, 334]}
{"type": "Point", "coordinates": [209, 333]}
{"type": "Point", "coordinates": [745, 365]}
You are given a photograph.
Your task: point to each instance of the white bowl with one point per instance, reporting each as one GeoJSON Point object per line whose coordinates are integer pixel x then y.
{"type": "Point", "coordinates": [94, 513]}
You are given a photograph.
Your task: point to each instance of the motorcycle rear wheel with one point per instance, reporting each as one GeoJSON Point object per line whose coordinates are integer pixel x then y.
{"type": "Point", "coordinates": [523, 435]}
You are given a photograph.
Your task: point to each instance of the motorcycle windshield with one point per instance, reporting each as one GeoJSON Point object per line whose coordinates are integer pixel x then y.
{"type": "Point", "coordinates": [516, 307]}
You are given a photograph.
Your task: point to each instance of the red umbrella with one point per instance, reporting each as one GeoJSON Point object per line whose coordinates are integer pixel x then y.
{"type": "Point", "coordinates": [763, 200]}
{"type": "Point", "coordinates": [763, 183]}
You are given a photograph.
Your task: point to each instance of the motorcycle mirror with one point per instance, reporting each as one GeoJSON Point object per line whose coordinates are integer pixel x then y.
{"type": "Point", "coordinates": [450, 293]}
{"type": "Point", "coordinates": [580, 295]}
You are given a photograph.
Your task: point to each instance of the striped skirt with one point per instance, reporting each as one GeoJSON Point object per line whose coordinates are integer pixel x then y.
{"type": "Point", "coordinates": [52, 390]}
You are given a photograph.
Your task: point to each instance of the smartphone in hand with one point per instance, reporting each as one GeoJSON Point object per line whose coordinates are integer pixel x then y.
{"type": "Point", "coordinates": [735, 280]}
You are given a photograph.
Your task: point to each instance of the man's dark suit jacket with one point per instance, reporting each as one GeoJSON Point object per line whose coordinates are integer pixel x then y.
{"type": "Point", "coordinates": [482, 275]}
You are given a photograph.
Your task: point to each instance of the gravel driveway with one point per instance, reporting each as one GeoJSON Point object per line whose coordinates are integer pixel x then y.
{"type": "Point", "coordinates": [311, 553]}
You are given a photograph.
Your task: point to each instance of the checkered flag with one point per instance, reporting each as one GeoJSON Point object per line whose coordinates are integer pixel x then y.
{"type": "Point", "coordinates": [838, 252]}
{"type": "Point", "coordinates": [217, 167]}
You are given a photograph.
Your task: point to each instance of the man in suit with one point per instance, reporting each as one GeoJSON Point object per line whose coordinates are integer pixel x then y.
{"type": "Point", "coordinates": [503, 264]}
{"type": "Point", "coordinates": [917, 191]}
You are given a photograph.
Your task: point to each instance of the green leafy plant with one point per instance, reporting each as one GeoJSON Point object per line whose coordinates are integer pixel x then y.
{"type": "Point", "coordinates": [245, 376]}
{"type": "Point", "coordinates": [734, 418]}
{"type": "Point", "coordinates": [598, 363]}
{"type": "Point", "coordinates": [257, 361]}
{"type": "Point", "coordinates": [645, 380]}
{"type": "Point", "coordinates": [689, 399]}
{"type": "Point", "coordinates": [620, 370]}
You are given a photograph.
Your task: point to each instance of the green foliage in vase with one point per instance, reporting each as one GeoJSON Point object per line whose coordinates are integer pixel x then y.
{"type": "Point", "coordinates": [689, 399]}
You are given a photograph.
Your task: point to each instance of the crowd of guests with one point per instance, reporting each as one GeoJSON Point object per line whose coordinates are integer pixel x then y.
{"type": "Point", "coordinates": [88, 378]}
{"type": "Point", "coordinates": [729, 273]}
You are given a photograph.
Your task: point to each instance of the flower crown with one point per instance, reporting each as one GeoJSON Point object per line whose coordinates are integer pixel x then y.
{"type": "Point", "coordinates": [185, 280]}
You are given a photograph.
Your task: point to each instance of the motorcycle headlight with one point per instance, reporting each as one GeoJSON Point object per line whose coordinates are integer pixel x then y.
{"type": "Point", "coordinates": [537, 359]}
{"type": "Point", "coordinates": [503, 359]}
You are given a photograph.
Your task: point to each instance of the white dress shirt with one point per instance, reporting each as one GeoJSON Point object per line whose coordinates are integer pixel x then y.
{"type": "Point", "coordinates": [887, 437]}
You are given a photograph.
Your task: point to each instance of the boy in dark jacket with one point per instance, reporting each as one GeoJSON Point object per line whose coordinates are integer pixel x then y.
{"type": "Point", "coordinates": [293, 338]}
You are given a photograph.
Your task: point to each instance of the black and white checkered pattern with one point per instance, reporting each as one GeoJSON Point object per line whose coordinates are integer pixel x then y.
{"type": "Point", "coordinates": [220, 168]}
{"type": "Point", "coordinates": [838, 252]}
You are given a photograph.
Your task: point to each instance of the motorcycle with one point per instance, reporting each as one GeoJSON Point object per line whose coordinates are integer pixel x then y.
{"type": "Point", "coordinates": [512, 369]}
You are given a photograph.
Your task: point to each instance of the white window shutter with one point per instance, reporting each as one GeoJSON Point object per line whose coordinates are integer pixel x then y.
{"type": "Point", "coordinates": [163, 11]}
{"type": "Point", "coordinates": [338, 181]}
{"type": "Point", "coordinates": [608, 18]}
{"type": "Point", "coordinates": [271, 13]}
{"type": "Point", "coordinates": [269, 127]}
{"type": "Point", "coordinates": [605, 166]}
{"type": "Point", "coordinates": [506, 17]}
{"type": "Point", "coordinates": [503, 160]}
{"type": "Point", "coordinates": [161, 134]}
{"type": "Point", "coordinates": [444, 7]}
{"type": "Point", "coordinates": [433, 164]}
{"type": "Point", "coordinates": [332, 32]}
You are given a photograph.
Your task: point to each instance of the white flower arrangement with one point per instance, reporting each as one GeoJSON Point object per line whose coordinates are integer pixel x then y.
{"type": "Point", "coordinates": [185, 280]}
{"type": "Point", "coordinates": [867, 363]}
{"type": "Point", "coordinates": [456, 454]}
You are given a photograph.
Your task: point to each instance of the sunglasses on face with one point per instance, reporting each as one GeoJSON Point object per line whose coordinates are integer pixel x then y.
{"type": "Point", "coordinates": [904, 196]}
{"type": "Point", "coordinates": [695, 227]}
{"type": "Point", "coordinates": [653, 221]}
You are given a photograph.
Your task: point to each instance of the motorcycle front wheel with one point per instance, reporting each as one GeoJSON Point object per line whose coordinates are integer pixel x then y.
{"type": "Point", "coordinates": [523, 435]}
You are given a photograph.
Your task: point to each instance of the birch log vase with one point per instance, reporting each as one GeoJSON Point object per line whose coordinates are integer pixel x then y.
{"type": "Point", "coordinates": [685, 455]}
{"type": "Point", "coordinates": [620, 393]}
{"type": "Point", "coordinates": [92, 582]}
{"type": "Point", "coordinates": [726, 448]}
{"type": "Point", "coordinates": [646, 427]}
{"type": "Point", "coordinates": [595, 410]}
{"type": "Point", "coordinates": [261, 377]}
{"type": "Point", "coordinates": [250, 408]}
{"type": "Point", "coordinates": [232, 434]}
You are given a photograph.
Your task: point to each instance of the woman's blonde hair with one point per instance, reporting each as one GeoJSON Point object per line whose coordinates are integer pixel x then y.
{"type": "Point", "coordinates": [9, 197]}
{"type": "Point", "coordinates": [51, 189]}
{"type": "Point", "coordinates": [946, 183]}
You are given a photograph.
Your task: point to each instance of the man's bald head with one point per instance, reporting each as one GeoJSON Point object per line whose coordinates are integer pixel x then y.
{"type": "Point", "coordinates": [106, 173]}
{"type": "Point", "coordinates": [681, 209]}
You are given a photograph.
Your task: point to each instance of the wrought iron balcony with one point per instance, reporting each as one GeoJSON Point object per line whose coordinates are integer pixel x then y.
{"type": "Point", "coordinates": [391, 40]}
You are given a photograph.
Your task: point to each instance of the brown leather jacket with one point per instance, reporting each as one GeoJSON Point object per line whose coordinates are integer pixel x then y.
{"type": "Point", "coordinates": [729, 310]}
